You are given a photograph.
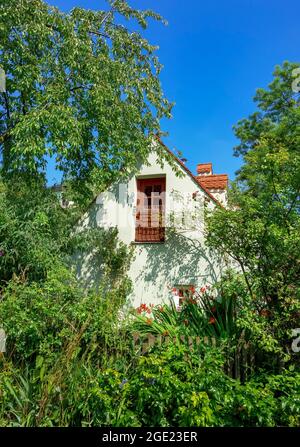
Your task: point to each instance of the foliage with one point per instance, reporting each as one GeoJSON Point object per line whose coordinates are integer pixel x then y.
{"type": "Point", "coordinates": [80, 88]}
{"type": "Point", "coordinates": [170, 387]}
{"type": "Point", "coordinates": [40, 318]}
{"type": "Point", "coordinates": [204, 312]}
{"type": "Point", "coordinates": [38, 235]}
{"type": "Point", "coordinates": [260, 231]}
{"type": "Point", "coordinates": [52, 322]}
{"type": "Point", "coordinates": [34, 229]}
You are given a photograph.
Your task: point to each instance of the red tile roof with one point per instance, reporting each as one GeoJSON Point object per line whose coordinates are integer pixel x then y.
{"type": "Point", "coordinates": [215, 181]}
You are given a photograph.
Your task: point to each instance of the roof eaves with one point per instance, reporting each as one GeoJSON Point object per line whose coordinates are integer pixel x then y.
{"type": "Point", "coordinates": [193, 177]}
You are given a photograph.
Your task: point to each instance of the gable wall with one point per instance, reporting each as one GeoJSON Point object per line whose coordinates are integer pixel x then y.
{"type": "Point", "coordinates": [182, 259]}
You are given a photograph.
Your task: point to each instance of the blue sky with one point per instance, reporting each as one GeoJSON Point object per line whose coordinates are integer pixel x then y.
{"type": "Point", "coordinates": [215, 54]}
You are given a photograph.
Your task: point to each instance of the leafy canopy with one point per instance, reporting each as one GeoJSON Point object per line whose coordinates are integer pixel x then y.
{"type": "Point", "coordinates": [80, 87]}
{"type": "Point", "coordinates": [261, 228]}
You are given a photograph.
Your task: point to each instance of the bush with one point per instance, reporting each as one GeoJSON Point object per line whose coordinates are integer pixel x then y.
{"type": "Point", "coordinates": [171, 386]}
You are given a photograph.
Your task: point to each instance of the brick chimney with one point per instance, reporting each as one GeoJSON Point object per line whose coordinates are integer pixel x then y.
{"type": "Point", "coordinates": [204, 169]}
{"type": "Point", "coordinates": [216, 184]}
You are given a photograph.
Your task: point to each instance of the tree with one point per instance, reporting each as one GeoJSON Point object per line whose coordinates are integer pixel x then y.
{"type": "Point", "coordinates": [80, 87]}
{"type": "Point", "coordinates": [261, 228]}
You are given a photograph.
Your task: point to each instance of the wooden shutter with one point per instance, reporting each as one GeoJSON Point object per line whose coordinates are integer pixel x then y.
{"type": "Point", "coordinates": [150, 211]}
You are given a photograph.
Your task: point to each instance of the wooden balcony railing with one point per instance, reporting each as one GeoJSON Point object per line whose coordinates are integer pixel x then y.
{"type": "Point", "coordinates": [146, 234]}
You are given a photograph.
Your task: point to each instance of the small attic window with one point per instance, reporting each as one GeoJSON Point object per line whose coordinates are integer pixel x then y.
{"type": "Point", "coordinates": [150, 210]}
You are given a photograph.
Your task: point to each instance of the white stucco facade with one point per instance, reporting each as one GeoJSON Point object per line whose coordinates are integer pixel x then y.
{"type": "Point", "coordinates": [183, 259]}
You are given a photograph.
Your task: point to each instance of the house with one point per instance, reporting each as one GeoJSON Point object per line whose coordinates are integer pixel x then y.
{"type": "Point", "coordinates": [160, 211]}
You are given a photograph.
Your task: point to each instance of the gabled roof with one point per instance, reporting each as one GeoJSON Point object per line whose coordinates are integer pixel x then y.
{"type": "Point", "coordinates": [213, 181]}
{"type": "Point", "coordinates": [190, 174]}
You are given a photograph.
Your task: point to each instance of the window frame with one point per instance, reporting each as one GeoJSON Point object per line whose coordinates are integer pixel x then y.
{"type": "Point", "coordinates": [180, 297]}
{"type": "Point", "coordinates": [148, 233]}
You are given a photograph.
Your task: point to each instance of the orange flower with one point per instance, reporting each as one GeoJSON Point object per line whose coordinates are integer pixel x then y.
{"type": "Point", "coordinates": [143, 308]}
{"type": "Point", "coordinates": [149, 321]}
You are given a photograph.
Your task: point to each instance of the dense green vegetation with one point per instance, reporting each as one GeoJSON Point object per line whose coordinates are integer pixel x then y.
{"type": "Point", "coordinates": [71, 359]}
{"type": "Point", "coordinates": [80, 88]}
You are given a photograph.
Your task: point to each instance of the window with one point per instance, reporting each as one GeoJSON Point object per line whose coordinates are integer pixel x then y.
{"type": "Point", "coordinates": [150, 210]}
{"type": "Point", "coordinates": [183, 293]}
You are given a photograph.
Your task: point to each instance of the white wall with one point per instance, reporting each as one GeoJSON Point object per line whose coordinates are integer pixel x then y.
{"type": "Point", "coordinates": [220, 195]}
{"type": "Point", "coordinates": [182, 259]}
